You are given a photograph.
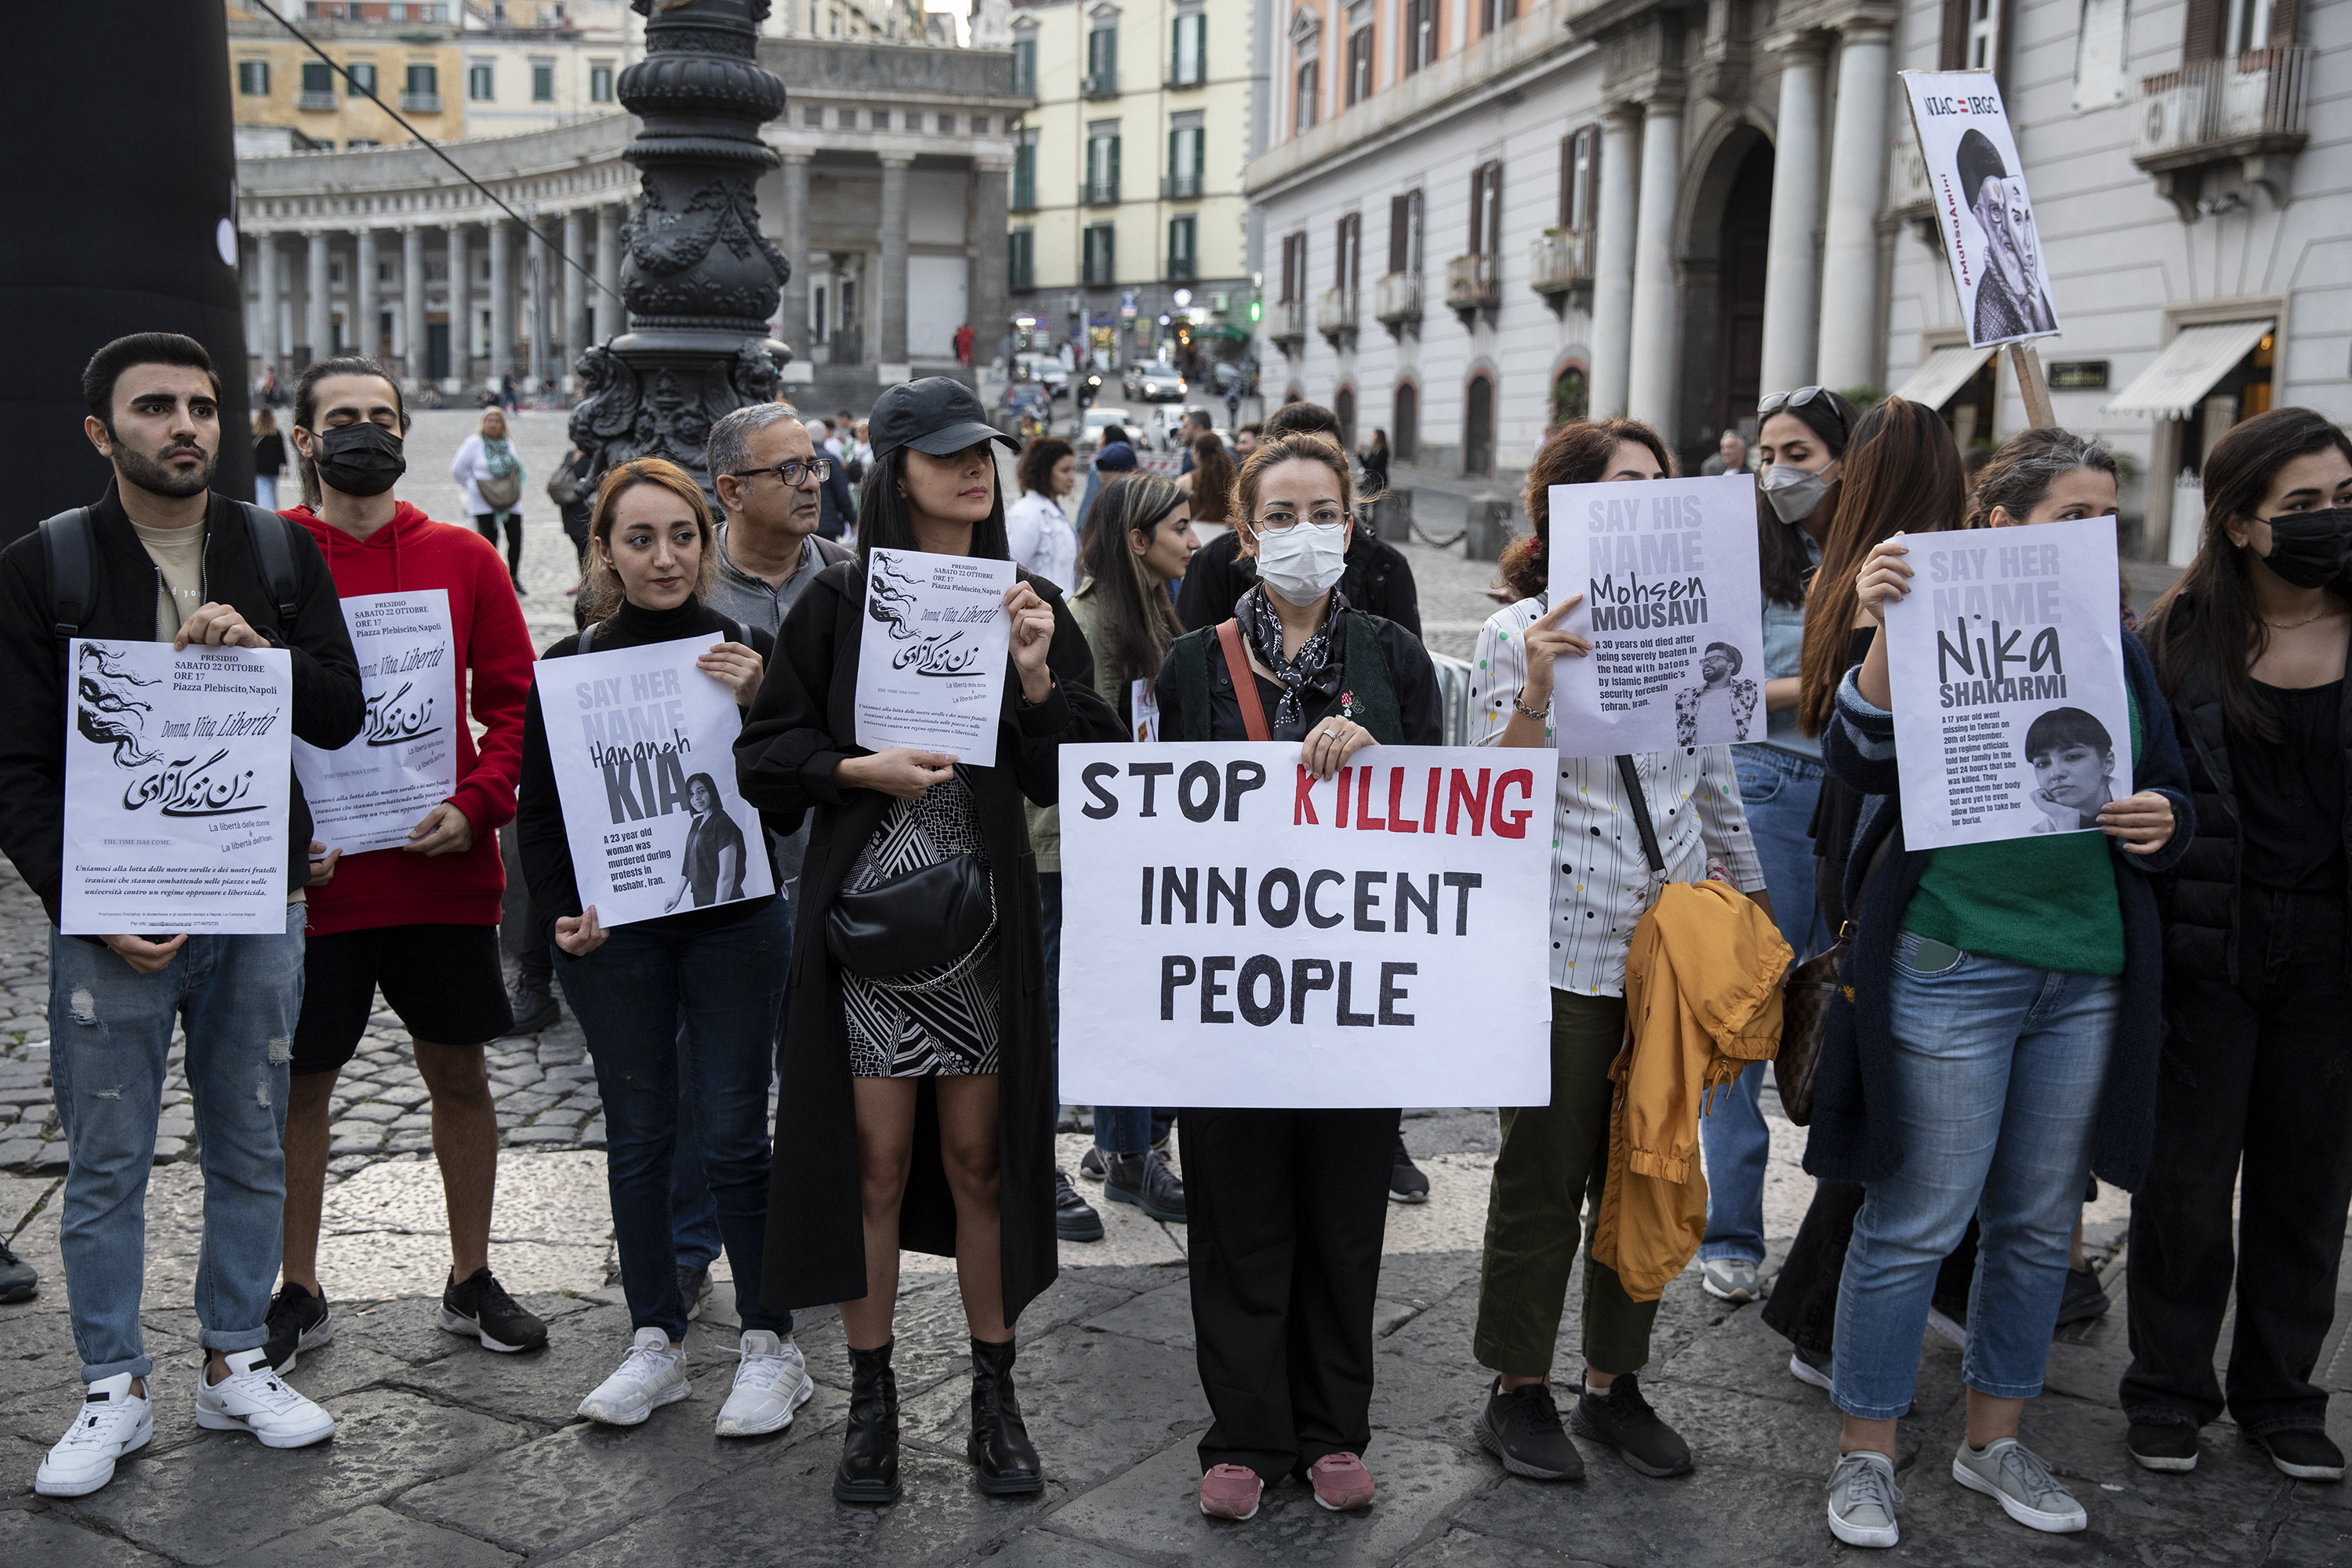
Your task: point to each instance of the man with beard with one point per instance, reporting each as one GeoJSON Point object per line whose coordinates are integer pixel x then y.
{"type": "Point", "coordinates": [161, 557]}
{"type": "Point", "coordinates": [2011, 301]}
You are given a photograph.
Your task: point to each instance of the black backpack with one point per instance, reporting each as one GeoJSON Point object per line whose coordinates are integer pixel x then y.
{"type": "Point", "coordinates": [67, 537]}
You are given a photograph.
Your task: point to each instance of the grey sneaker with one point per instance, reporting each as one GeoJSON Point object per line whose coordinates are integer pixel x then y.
{"type": "Point", "coordinates": [1731, 1279]}
{"type": "Point", "coordinates": [1863, 1495]}
{"type": "Point", "coordinates": [2021, 1480]}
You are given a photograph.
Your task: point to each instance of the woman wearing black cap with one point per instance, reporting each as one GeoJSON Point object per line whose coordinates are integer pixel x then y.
{"type": "Point", "coordinates": [944, 1073]}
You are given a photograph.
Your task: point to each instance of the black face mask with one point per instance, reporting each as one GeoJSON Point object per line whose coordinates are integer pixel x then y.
{"type": "Point", "coordinates": [363, 459]}
{"type": "Point", "coordinates": [2308, 549]}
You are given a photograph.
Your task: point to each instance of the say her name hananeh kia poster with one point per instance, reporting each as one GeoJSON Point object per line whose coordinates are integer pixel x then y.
{"type": "Point", "coordinates": [643, 744]}
{"type": "Point", "coordinates": [1982, 210]}
{"type": "Point", "coordinates": [2006, 662]}
{"type": "Point", "coordinates": [178, 787]}
{"type": "Point", "coordinates": [1668, 571]}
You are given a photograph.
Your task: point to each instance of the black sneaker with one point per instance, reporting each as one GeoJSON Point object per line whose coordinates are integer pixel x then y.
{"type": "Point", "coordinates": [2302, 1453]}
{"type": "Point", "coordinates": [297, 1321]}
{"type": "Point", "coordinates": [1144, 1180]}
{"type": "Point", "coordinates": [2084, 1299]}
{"type": "Point", "coordinates": [1074, 1218]}
{"type": "Point", "coordinates": [1625, 1422]}
{"type": "Point", "coordinates": [2167, 1446]}
{"type": "Point", "coordinates": [18, 1282]}
{"type": "Point", "coordinates": [479, 1308]}
{"type": "Point", "coordinates": [533, 1006]}
{"type": "Point", "coordinates": [1090, 1166]}
{"type": "Point", "coordinates": [1522, 1429]}
{"type": "Point", "coordinates": [694, 1288]}
{"type": "Point", "coordinates": [1406, 1183]}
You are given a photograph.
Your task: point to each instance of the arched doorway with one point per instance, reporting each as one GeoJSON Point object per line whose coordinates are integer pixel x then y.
{"type": "Point", "coordinates": [1571, 396]}
{"type": "Point", "coordinates": [1405, 435]}
{"type": "Point", "coordinates": [1343, 408]}
{"type": "Point", "coordinates": [1478, 427]}
{"type": "Point", "coordinates": [1724, 230]}
{"type": "Point", "coordinates": [1745, 239]}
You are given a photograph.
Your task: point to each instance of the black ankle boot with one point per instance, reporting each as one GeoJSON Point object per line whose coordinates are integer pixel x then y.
{"type": "Point", "coordinates": [1001, 1455]}
{"type": "Point", "coordinates": [869, 1448]}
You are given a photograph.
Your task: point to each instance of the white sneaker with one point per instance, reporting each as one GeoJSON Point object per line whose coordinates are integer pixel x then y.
{"type": "Point", "coordinates": [114, 1422]}
{"type": "Point", "coordinates": [252, 1398]}
{"type": "Point", "coordinates": [771, 1382]}
{"type": "Point", "coordinates": [1731, 1279]}
{"type": "Point", "coordinates": [651, 1375]}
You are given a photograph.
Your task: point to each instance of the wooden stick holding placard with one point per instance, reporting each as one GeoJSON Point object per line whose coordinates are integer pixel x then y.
{"type": "Point", "coordinates": [2032, 386]}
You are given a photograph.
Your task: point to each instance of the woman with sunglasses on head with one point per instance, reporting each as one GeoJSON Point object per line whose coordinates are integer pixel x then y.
{"type": "Point", "coordinates": [916, 1108]}
{"type": "Point", "coordinates": [2250, 646]}
{"type": "Point", "coordinates": [1799, 439]}
{"type": "Point", "coordinates": [1288, 1207]}
{"type": "Point", "coordinates": [1554, 1158]}
{"type": "Point", "coordinates": [1998, 1045]}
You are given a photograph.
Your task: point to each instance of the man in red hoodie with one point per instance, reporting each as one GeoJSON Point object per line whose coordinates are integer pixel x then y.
{"type": "Point", "coordinates": [421, 920]}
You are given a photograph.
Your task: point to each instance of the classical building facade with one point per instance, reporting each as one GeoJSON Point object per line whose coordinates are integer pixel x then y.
{"type": "Point", "coordinates": [1486, 221]}
{"type": "Point", "coordinates": [890, 203]}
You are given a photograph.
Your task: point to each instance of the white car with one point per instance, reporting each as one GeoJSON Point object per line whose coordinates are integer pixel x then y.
{"type": "Point", "coordinates": [1046, 370]}
{"type": "Point", "coordinates": [1155, 382]}
{"type": "Point", "coordinates": [1090, 429]}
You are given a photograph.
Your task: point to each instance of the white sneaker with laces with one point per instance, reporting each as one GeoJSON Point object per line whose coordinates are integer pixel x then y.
{"type": "Point", "coordinates": [771, 1382]}
{"type": "Point", "coordinates": [252, 1398]}
{"type": "Point", "coordinates": [114, 1422]}
{"type": "Point", "coordinates": [1863, 1495]}
{"type": "Point", "coordinates": [2021, 1481]}
{"type": "Point", "coordinates": [651, 1375]}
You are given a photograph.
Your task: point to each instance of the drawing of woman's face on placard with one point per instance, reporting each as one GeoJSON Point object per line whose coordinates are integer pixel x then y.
{"type": "Point", "coordinates": [1978, 184]}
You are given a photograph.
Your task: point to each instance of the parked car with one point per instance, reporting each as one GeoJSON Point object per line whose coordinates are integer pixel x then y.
{"type": "Point", "coordinates": [1090, 427]}
{"type": "Point", "coordinates": [1155, 382]}
{"type": "Point", "coordinates": [1046, 370]}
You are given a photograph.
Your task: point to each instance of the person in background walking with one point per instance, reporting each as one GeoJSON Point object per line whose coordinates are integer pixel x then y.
{"type": "Point", "coordinates": [2255, 1095]}
{"type": "Point", "coordinates": [1374, 456]}
{"type": "Point", "coordinates": [1190, 429]}
{"type": "Point", "coordinates": [1036, 529]}
{"type": "Point", "coordinates": [836, 506]}
{"type": "Point", "coordinates": [488, 470]}
{"type": "Point", "coordinates": [1550, 1171]}
{"type": "Point", "coordinates": [572, 489]}
{"type": "Point", "coordinates": [1999, 1044]}
{"type": "Point", "coordinates": [1800, 439]}
{"type": "Point", "coordinates": [1731, 448]}
{"type": "Point", "coordinates": [268, 459]}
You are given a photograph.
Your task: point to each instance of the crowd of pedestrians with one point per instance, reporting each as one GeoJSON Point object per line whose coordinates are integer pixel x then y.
{"type": "Point", "coordinates": [2159, 1004]}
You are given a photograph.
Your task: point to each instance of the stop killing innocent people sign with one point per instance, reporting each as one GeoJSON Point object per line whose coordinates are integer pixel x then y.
{"type": "Point", "coordinates": [1236, 933]}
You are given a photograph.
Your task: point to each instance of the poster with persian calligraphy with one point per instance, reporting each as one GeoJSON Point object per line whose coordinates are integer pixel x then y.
{"type": "Point", "coordinates": [369, 794]}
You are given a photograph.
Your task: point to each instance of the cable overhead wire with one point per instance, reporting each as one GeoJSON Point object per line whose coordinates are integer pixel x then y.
{"type": "Point", "coordinates": [433, 147]}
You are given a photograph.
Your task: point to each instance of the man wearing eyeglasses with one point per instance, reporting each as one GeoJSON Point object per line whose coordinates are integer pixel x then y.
{"type": "Point", "coordinates": [770, 480]}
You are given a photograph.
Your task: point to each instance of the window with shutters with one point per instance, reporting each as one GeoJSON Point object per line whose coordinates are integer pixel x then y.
{"type": "Point", "coordinates": [1187, 140]}
{"type": "Point", "coordinates": [1024, 65]}
{"type": "Point", "coordinates": [1102, 57]}
{"type": "Point", "coordinates": [1294, 268]}
{"type": "Point", "coordinates": [2249, 26]}
{"type": "Point", "coordinates": [362, 76]}
{"type": "Point", "coordinates": [253, 78]}
{"type": "Point", "coordinates": [600, 82]}
{"type": "Point", "coordinates": [1024, 172]}
{"type": "Point", "coordinates": [482, 81]}
{"type": "Point", "coordinates": [1420, 35]}
{"type": "Point", "coordinates": [1102, 161]}
{"type": "Point", "coordinates": [1189, 61]}
{"type": "Point", "coordinates": [2103, 55]}
{"type": "Point", "coordinates": [1305, 105]}
{"type": "Point", "coordinates": [1021, 258]}
{"type": "Point", "coordinates": [1183, 248]}
{"type": "Point", "coordinates": [1404, 232]}
{"type": "Point", "coordinates": [1486, 208]}
{"type": "Point", "coordinates": [1101, 262]}
{"type": "Point", "coordinates": [1494, 14]}
{"type": "Point", "coordinates": [1984, 35]}
{"type": "Point", "coordinates": [1360, 65]}
{"type": "Point", "coordinates": [1580, 167]}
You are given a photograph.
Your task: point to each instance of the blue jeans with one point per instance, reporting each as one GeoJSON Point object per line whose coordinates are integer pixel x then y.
{"type": "Point", "coordinates": [109, 1034]}
{"type": "Point", "coordinates": [1779, 789]}
{"type": "Point", "coordinates": [726, 987]}
{"type": "Point", "coordinates": [1130, 1128]}
{"type": "Point", "coordinates": [1997, 1069]}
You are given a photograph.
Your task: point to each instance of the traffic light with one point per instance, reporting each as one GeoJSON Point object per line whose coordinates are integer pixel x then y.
{"type": "Point", "coordinates": [1257, 311]}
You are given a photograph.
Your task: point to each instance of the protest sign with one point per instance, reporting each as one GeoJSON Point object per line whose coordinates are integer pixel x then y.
{"type": "Point", "coordinates": [931, 661]}
{"type": "Point", "coordinates": [1978, 182]}
{"type": "Point", "coordinates": [644, 748]}
{"type": "Point", "coordinates": [1668, 572]}
{"type": "Point", "coordinates": [1236, 933]}
{"type": "Point", "coordinates": [2007, 664]}
{"type": "Point", "coordinates": [368, 795]}
{"type": "Point", "coordinates": [179, 785]}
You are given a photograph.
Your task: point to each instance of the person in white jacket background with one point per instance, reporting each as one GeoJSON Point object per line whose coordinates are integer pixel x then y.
{"type": "Point", "coordinates": [1036, 529]}
{"type": "Point", "coordinates": [487, 462]}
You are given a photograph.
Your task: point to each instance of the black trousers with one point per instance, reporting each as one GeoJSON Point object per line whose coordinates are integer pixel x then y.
{"type": "Point", "coordinates": [2255, 1095]}
{"type": "Point", "coordinates": [1285, 1210]}
{"type": "Point", "coordinates": [487, 524]}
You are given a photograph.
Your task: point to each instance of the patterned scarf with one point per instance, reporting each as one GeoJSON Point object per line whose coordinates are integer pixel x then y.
{"type": "Point", "coordinates": [500, 455]}
{"type": "Point", "coordinates": [1316, 672]}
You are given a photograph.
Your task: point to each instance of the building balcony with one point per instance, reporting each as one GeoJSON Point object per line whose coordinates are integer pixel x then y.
{"type": "Point", "coordinates": [1099, 84]}
{"type": "Point", "coordinates": [1098, 192]}
{"type": "Point", "coordinates": [420, 104]}
{"type": "Point", "coordinates": [1024, 198]}
{"type": "Point", "coordinates": [1396, 300]}
{"type": "Point", "coordinates": [1180, 188]}
{"type": "Point", "coordinates": [1178, 83]}
{"type": "Point", "coordinates": [2248, 109]}
{"type": "Point", "coordinates": [1335, 314]}
{"type": "Point", "coordinates": [1474, 283]}
{"type": "Point", "coordinates": [315, 102]}
{"type": "Point", "coordinates": [1560, 264]}
{"type": "Point", "coordinates": [1286, 325]}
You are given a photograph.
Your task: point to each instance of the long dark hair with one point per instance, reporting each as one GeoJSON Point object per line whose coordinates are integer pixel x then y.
{"type": "Point", "coordinates": [884, 521]}
{"type": "Point", "coordinates": [1575, 453]}
{"type": "Point", "coordinates": [1902, 476]}
{"type": "Point", "coordinates": [2208, 618]}
{"type": "Point", "coordinates": [1780, 558]}
{"type": "Point", "coordinates": [1139, 620]}
{"type": "Point", "coordinates": [1213, 480]}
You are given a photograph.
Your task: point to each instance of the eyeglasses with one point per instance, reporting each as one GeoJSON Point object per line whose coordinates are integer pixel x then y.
{"type": "Point", "coordinates": [791, 473]}
{"type": "Point", "coordinates": [1321, 517]}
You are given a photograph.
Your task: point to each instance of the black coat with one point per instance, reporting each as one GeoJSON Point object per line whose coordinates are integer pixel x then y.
{"type": "Point", "coordinates": [1378, 581]}
{"type": "Point", "coordinates": [800, 732]}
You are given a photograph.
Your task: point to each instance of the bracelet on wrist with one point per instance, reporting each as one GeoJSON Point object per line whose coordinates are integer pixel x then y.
{"type": "Point", "coordinates": [1519, 705]}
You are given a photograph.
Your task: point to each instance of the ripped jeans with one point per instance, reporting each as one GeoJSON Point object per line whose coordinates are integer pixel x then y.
{"type": "Point", "coordinates": [109, 1038]}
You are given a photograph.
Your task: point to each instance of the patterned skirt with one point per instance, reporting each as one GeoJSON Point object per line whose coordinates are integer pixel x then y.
{"type": "Point", "coordinates": [934, 1023]}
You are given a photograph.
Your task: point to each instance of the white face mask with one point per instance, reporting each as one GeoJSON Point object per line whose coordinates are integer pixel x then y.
{"type": "Point", "coordinates": [1302, 563]}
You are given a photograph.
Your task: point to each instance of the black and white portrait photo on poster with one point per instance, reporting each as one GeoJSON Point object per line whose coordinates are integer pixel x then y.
{"type": "Point", "coordinates": [932, 658]}
{"type": "Point", "coordinates": [1982, 209]}
{"type": "Point", "coordinates": [1668, 571]}
{"type": "Point", "coordinates": [643, 744]}
{"type": "Point", "coordinates": [179, 780]}
{"type": "Point", "coordinates": [2007, 664]}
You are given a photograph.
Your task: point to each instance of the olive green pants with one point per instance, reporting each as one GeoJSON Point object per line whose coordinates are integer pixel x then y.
{"type": "Point", "coordinates": [1549, 1175]}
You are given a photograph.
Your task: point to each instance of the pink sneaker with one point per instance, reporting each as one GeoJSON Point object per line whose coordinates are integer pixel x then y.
{"type": "Point", "coordinates": [1340, 1482]}
{"type": "Point", "coordinates": [1231, 1491]}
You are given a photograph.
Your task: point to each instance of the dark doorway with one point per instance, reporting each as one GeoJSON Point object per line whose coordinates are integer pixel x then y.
{"type": "Point", "coordinates": [1571, 396]}
{"type": "Point", "coordinates": [1405, 435]}
{"type": "Point", "coordinates": [436, 350]}
{"type": "Point", "coordinates": [1739, 295]}
{"type": "Point", "coordinates": [1343, 408]}
{"type": "Point", "coordinates": [1478, 429]}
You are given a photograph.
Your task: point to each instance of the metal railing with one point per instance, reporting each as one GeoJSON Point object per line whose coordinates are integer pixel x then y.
{"type": "Point", "coordinates": [317, 103]}
{"type": "Point", "coordinates": [2252, 102]}
{"type": "Point", "coordinates": [1473, 281]}
{"type": "Point", "coordinates": [1176, 187]}
{"type": "Point", "coordinates": [1397, 298]}
{"type": "Point", "coordinates": [420, 102]}
{"type": "Point", "coordinates": [1099, 84]}
{"type": "Point", "coordinates": [1098, 193]}
{"type": "Point", "coordinates": [1453, 694]}
{"type": "Point", "coordinates": [1559, 261]}
{"type": "Point", "coordinates": [1335, 312]}
{"type": "Point", "coordinates": [1290, 322]}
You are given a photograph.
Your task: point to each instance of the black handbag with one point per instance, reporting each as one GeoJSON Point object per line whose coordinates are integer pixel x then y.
{"type": "Point", "coordinates": [940, 916]}
{"type": "Point", "coordinates": [1806, 994]}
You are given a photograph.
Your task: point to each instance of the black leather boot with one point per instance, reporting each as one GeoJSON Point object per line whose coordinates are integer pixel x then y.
{"type": "Point", "coordinates": [1002, 1459]}
{"type": "Point", "coordinates": [869, 1448]}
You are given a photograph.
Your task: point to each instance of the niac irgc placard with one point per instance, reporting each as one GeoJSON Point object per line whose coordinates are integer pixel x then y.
{"type": "Point", "coordinates": [1982, 210]}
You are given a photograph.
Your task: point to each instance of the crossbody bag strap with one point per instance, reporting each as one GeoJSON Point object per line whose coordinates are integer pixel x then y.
{"type": "Point", "coordinates": [1641, 804]}
{"type": "Point", "coordinates": [1228, 637]}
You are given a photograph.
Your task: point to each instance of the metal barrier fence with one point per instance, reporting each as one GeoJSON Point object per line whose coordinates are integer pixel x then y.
{"type": "Point", "coordinates": [1454, 689]}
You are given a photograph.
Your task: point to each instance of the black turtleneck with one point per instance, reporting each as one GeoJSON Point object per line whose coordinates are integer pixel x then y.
{"type": "Point", "coordinates": [546, 849]}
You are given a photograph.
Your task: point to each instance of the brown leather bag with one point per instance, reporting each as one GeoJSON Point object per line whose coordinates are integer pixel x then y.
{"type": "Point", "coordinates": [1805, 996]}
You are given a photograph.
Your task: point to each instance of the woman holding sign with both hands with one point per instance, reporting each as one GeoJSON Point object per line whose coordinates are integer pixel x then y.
{"type": "Point", "coordinates": [717, 970]}
{"type": "Point", "coordinates": [918, 1104]}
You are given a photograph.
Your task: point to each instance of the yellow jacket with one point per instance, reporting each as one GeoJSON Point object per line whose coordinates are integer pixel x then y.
{"type": "Point", "coordinates": [1702, 1002]}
